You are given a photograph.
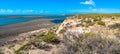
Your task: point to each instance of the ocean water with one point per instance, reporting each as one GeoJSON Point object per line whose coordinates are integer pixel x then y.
{"type": "Point", "coordinates": [7, 21]}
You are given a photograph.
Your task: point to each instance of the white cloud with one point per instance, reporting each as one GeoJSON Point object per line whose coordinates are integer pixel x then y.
{"type": "Point", "coordinates": [94, 9]}
{"type": "Point", "coordinates": [10, 11]}
{"type": "Point", "coordinates": [27, 11]}
{"type": "Point", "coordinates": [78, 11]}
{"type": "Point", "coordinates": [2, 10]}
{"type": "Point", "coordinates": [90, 2]}
{"type": "Point", "coordinates": [20, 11]}
{"type": "Point", "coordinates": [100, 10]}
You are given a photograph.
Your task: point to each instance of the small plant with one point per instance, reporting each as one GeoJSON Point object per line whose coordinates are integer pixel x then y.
{"type": "Point", "coordinates": [113, 18]}
{"type": "Point", "coordinates": [91, 34]}
{"type": "Point", "coordinates": [95, 19]}
{"type": "Point", "coordinates": [101, 23]}
{"type": "Point", "coordinates": [50, 37]}
{"type": "Point", "coordinates": [78, 25]}
{"type": "Point", "coordinates": [92, 23]}
{"type": "Point", "coordinates": [54, 27]}
{"type": "Point", "coordinates": [86, 25]}
{"type": "Point", "coordinates": [40, 36]}
{"type": "Point", "coordinates": [62, 31]}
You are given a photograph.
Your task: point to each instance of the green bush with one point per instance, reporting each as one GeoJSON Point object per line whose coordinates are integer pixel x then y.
{"type": "Point", "coordinates": [101, 23]}
{"type": "Point", "coordinates": [50, 37]}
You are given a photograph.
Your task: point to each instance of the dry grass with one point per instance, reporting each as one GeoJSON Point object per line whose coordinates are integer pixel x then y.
{"type": "Point", "coordinates": [90, 45]}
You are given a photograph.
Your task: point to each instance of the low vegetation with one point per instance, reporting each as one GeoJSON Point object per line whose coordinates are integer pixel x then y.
{"type": "Point", "coordinates": [62, 31]}
{"type": "Point", "coordinates": [91, 45]}
{"type": "Point", "coordinates": [101, 23]}
{"type": "Point", "coordinates": [90, 34]}
{"type": "Point", "coordinates": [90, 42]}
{"type": "Point", "coordinates": [1, 52]}
{"type": "Point", "coordinates": [50, 37]}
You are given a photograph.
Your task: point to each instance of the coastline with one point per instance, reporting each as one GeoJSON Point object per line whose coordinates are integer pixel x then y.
{"type": "Point", "coordinates": [18, 28]}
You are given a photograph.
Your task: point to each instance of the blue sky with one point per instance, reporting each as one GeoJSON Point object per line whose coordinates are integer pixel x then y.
{"type": "Point", "coordinates": [58, 6]}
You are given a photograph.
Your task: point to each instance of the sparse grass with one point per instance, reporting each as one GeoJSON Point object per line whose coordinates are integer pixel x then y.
{"type": "Point", "coordinates": [23, 48]}
{"type": "Point", "coordinates": [49, 37]}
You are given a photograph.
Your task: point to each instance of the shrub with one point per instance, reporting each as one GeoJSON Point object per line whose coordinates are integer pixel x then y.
{"type": "Point", "coordinates": [92, 23]}
{"type": "Point", "coordinates": [113, 18]}
{"type": "Point", "coordinates": [62, 31]}
{"type": "Point", "coordinates": [86, 24]}
{"type": "Point", "coordinates": [101, 23]}
{"type": "Point", "coordinates": [95, 19]}
{"type": "Point", "coordinates": [50, 37]}
{"type": "Point", "coordinates": [77, 25]}
{"type": "Point", "coordinates": [90, 34]}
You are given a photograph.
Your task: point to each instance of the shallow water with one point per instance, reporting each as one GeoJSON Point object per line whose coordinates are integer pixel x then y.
{"type": "Point", "coordinates": [6, 21]}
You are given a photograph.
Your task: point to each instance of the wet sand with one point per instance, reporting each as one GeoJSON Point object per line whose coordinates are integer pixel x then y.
{"type": "Point", "coordinates": [15, 29]}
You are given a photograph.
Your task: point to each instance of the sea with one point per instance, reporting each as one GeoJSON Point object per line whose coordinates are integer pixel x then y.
{"type": "Point", "coordinates": [7, 21]}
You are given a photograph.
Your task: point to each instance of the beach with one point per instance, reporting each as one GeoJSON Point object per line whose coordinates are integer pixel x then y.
{"type": "Point", "coordinates": [18, 28]}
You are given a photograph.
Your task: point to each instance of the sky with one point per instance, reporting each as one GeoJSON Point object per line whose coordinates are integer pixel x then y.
{"type": "Point", "coordinates": [59, 6]}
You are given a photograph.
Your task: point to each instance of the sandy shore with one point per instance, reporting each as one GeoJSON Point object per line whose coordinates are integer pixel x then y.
{"type": "Point", "coordinates": [15, 29]}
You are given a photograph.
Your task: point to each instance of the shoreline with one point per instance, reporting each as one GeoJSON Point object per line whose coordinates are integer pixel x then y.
{"type": "Point", "coordinates": [18, 28]}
